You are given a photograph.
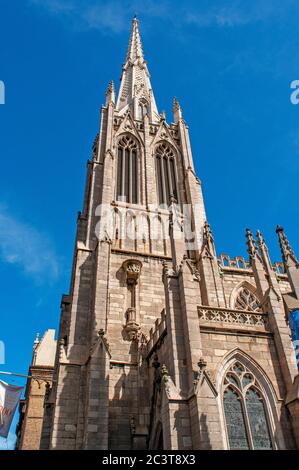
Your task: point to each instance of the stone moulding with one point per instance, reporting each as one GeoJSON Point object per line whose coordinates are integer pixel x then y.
{"type": "Point", "coordinates": [228, 316]}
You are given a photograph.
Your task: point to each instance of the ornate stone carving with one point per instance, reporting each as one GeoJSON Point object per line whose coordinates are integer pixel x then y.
{"type": "Point", "coordinates": [232, 316]}
{"type": "Point", "coordinates": [246, 300]}
{"type": "Point", "coordinates": [102, 336]}
{"type": "Point", "coordinates": [131, 327]}
{"type": "Point", "coordinates": [132, 269]}
{"type": "Point", "coordinates": [234, 263]}
{"type": "Point", "coordinates": [288, 255]}
{"type": "Point", "coordinates": [208, 248]}
{"type": "Point", "coordinates": [202, 363]}
{"type": "Point", "coordinates": [193, 269]}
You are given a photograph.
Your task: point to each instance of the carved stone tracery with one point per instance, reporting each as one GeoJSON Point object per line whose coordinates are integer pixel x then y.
{"type": "Point", "coordinates": [132, 270]}
{"type": "Point", "coordinates": [246, 300]}
{"type": "Point", "coordinates": [232, 317]}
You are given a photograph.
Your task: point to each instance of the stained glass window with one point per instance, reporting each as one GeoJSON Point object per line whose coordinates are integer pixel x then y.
{"type": "Point", "coordinates": [247, 379]}
{"type": "Point", "coordinates": [257, 419]}
{"type": "Point", "coordinates": [166, 175]}
{"type": "Point", "coordinates": [232, 379]}
{"type": "Point", "coordinates": [245, 410]}
{"type": "Point", "coordinates": [235, 420]}
{"type": "Point", "coordinates": [238, 368]}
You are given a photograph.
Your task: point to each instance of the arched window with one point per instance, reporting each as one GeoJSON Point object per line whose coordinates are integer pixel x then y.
{"type": "Point", "coordinates": [166, 174]}
{"type": "Point", "coordinates": [127, 170]}
{"type": "Point", "coordinates": [245, 410]}
{"type": "Point", "coordinates": [246, 300]}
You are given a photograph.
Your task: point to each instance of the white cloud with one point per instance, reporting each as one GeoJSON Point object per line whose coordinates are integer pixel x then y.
{"type": "Point", "coordinates": [113, 15]}
{"type": "Point", "coordinates": [22, 245]}
{"type": "Point", "coordinates": [238, 13]}
{"type": "Point", "coordinates": [107, 16]}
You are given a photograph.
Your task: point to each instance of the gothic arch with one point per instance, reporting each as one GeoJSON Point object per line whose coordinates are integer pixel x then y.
{"type": "Point", "coordinates": [128, 168]}
{"type": "Point", "coordinates": [166, 161]}
{"type": "Point", "coordinates": [143, 228]}
{"type": "Point", "coordinates": [143, 108]}
{"type": "Point", "coordinates": [166, 143]}
{"type": "Point", "coordinates": [131, 230]}
{"type": "Point", "coordinates": [270, 398]}
{"type": "Point", "coordinates": [126, 136]}
{"type": "Point", "coordinates": [158, 234]}
{"type": "Point", "coordinates": [251, 296]}
{"type": "Point", "coordinates": [118, 228]}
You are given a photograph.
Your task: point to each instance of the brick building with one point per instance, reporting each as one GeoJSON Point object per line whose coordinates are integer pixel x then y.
{"type": "Point", "coordinates": [163, 344]}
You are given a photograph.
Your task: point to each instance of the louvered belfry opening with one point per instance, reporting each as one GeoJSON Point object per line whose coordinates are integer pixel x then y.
{"type": "Point", "coordinates": [127, 170]}
{"type": "Point", "coordinates": [166, 174]}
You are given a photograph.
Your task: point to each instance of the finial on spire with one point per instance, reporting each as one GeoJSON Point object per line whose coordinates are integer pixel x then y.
{"type": "Point", "coordinates": [264, 252]}
{"type": "Point", "coordinates": [177, 111]}
{"type": "Point", "coordinates": [252, 251]}
{"type": "Point", "coordinates": [260, 240]}
{"type": "Point", "coordinates": [110, 93]}
{"type": "Point", "coordinates": [208, 242]}
{"type": "Point", "coordinates": [176, 104]}
{"type": "Point", "coordinates": [36, 341]}
{"type": "Point", "coordinates": [135, 50]}
{"type": "Point", "coordinates": [288, 255]}
{"type": "Point", "coordinates": [163, 115]}
{"type": "Point", "coordinates": [135, 86]}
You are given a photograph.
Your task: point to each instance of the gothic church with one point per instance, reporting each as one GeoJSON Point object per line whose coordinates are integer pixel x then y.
{"type": "Point", "coordinates": [162, 343]}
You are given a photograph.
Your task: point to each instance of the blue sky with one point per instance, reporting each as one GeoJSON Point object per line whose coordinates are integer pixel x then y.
{"type": "Point", "coordinates": [230, 63]}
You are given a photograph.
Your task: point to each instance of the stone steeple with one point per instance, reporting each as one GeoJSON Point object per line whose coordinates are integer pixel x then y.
{"type": "Point", "coordinates": [177, 111]}
{"type": "Point", "coordinates": [288, 255]}
{"type": "Point", "coordinates": [289, 259]}
{"type": "Point", "coordinates": [110, 93]}
{"type": "Point", "coordinates": [135, 50]}
{"type": "Point", "coordinates": [135, 93]}
{"type": "Point", "coordinates": [155, 326]}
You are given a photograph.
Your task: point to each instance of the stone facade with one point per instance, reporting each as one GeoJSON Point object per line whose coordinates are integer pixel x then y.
{"type": "Point", "coordinates": [157, 334]}
{"type": "Point", "coordinates": [33, 431]}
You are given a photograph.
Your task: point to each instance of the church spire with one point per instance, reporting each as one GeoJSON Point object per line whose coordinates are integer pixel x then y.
{"type": "Point", "coordinates": [177, 110]}
{"type": "Point", "coordinates": [135, 46]}
{"type": "Point", "coordinates": [110, 93]}
{"type": "Point", "coordinates": [288, 255]}
{"type": "Point", "coordinates": [289, 259]}
{"type": "Point", "coordinates": [135, 93]}
{"type": "Point", "coordinates": [264, 252]}
{"type": "Point", "coordinates": [252, 251]}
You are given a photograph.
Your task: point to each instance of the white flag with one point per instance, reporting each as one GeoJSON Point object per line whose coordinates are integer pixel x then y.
{"type": "Point", "coordinates": [9, 399]}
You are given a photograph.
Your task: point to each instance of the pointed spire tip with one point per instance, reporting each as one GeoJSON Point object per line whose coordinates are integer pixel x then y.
{"type": "Point", "coordinates": [288, 255]}
{"type": "Point", "coordinates": [176, 104]}
{"type": "Point", "coordinates": [177, 110]}
{"type": "Point", "coordinates": [279, 228]}
{"type": "Point", "coordinates": [37, 339]}
{"type": "Point", "coordinates": [135, 46]}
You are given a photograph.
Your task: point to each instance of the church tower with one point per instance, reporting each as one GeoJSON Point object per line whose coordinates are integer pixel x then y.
{"type": "Point", "coordinates": [163, 344]}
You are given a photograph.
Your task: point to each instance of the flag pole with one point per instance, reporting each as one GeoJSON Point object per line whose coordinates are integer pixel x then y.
{"type": "Point", "coordinates": [33, 377]}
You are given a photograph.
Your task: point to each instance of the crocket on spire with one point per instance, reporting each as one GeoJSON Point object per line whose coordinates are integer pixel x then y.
{"type": "Point", "coordinates": [135, 92]}
{"type": "Point", "coordinates": [288, 255]}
